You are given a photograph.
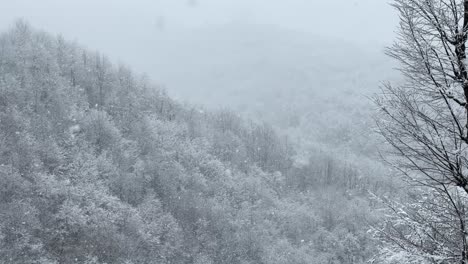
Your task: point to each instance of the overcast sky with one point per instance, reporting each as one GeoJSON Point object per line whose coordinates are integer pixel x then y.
{"type": "Point", "coordinates": [99, 22]}
{"type": "Point", "coordinates": [134, 31]}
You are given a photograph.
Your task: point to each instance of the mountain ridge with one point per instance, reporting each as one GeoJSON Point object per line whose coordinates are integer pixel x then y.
{"type": "Point", "coordinates": [99, 165]}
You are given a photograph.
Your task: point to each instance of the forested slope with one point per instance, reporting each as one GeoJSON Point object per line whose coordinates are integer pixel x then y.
{"type": "Point", "coordinates": [98, 165]}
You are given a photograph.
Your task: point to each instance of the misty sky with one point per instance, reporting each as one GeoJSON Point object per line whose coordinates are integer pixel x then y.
{"type": "Point", "coordinates": [135, 31]}
{"type": "Point", "coordinates": [99, 23]}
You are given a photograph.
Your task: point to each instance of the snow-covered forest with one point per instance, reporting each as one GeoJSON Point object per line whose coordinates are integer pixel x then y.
{"type": "Point", "coordinates": [236, 143]}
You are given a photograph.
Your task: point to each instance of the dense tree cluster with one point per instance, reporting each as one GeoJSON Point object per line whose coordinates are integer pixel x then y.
{"type": "Point", "coordinates": [98, 165]}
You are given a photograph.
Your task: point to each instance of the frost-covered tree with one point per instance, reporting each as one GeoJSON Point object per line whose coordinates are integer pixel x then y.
{"type": "Point", "coordinates": [425, 120]}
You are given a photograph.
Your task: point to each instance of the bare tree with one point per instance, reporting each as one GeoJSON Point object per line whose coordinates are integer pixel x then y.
{"type": "Point", "coordinates": [425, 119]}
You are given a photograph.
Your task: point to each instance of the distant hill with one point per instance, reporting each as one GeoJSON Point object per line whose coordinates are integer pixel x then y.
{"type": "Point", "coordinates": [316, 88]}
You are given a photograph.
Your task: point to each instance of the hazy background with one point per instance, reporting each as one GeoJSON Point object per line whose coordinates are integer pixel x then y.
{"type": "Point", "coordinates": [307, 66]}
{"type": "Point", "coordinates": [115, 25]}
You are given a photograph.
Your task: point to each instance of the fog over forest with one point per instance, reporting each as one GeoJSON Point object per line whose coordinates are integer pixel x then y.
{"type": "Point", "coordinates": [233, 131]}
